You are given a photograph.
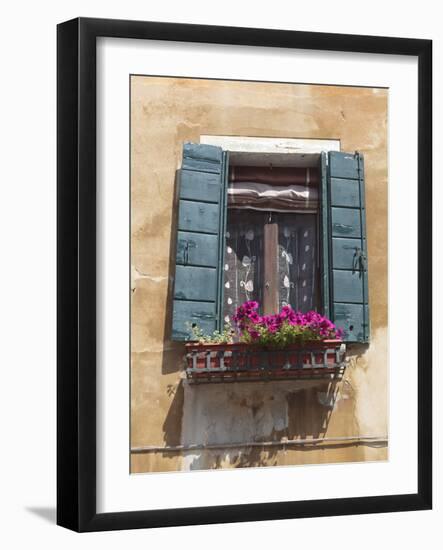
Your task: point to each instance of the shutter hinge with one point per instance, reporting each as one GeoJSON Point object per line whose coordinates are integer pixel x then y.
{"type": "Point", "coordinates": [357, 155]}
{"type": "Point", "coordinates": [359, 262]}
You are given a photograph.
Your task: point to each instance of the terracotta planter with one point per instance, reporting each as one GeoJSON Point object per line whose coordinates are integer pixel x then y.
{"type": "Point", "coordinates": [252, 361]}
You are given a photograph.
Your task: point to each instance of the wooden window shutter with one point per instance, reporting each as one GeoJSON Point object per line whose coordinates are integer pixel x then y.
{"type": "Point", "coordinates": [200, 236]}
{"type": "Point", "coordinates": [344, 250]}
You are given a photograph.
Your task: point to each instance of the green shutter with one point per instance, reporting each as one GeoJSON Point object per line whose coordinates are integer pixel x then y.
{"type": "Point", "coordinates": [199, 251]}
{"type": "Point", "coordinates": [344, 250]}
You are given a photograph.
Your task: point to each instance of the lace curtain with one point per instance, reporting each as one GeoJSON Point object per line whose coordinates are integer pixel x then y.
{"type": "Point", "coordinates": [243, 269]}
{"type": "Point", "coordinates": [297, 259]}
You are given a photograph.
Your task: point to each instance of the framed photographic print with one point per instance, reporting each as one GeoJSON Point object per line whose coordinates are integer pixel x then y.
{"type": "Point", "coordinates": [244, 274]}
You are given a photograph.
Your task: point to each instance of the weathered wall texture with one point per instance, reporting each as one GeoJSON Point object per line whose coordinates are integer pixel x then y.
{"type": "Point", "coordinates": [165, 411]}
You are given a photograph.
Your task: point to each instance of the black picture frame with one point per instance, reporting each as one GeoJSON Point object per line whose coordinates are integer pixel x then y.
{"type": "Point", "coordinates": [76, 279]}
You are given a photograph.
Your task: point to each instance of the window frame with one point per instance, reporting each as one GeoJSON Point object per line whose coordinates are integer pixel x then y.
{"type": "Point", "coordinates": [344, 280]}
{"type": "Point", "coordinates": [268, 224]}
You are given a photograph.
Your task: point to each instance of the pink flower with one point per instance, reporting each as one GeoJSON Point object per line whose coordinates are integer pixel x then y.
{"type": "Point", "coordinates": [260, 328]}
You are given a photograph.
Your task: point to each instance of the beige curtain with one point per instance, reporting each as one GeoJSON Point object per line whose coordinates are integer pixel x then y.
{"type": "Point", "coordinates": [273, 189]}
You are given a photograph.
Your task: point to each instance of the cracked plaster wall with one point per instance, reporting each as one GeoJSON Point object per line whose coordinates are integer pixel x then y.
{"type": "Point", "coordinates": [165, 112]}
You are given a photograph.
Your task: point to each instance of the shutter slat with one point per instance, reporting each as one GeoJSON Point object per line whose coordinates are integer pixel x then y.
{"type": "Point", "coordinates": [346, 222]}
{"type": "Point", "coordinates": [343, 252]}
{"type": "Point", "coordinates": [350, 318]}
{"type": "Point", "coordinates": [201, 313]}
{"type": "Point", "coordinates": [198, 216]}
{"type": "Point", "coordinates": [195, 283]}
{"type": "Point", "coordinates": [345, 255]}
{"type": "Point", "coordinates": [203, 158]}
{"type": "Point", "coordinates": [199, 185]}
{"type": "Point", "coordinates": [345, 192]}
{"type": "Point", "coordinates": [198, 261]}
{"type": "Point", "coordinates": [197, 249]}
{"type": "Point", "coordinates": [343, 165]}
{"type": "Point", "coordinates": [348, 286]}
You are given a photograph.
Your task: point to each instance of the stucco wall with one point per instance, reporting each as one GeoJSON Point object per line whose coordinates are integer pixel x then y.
{"type": "Point", "coordinates": [165, 411]}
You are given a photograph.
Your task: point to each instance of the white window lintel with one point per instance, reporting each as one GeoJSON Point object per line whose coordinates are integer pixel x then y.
{"type": "Point", "coordinates": [251, 144]}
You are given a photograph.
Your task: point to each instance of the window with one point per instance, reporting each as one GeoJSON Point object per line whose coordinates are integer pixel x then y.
{"type": "Point", "coordinates": [281, 229]}
{"type": "Point", "coordinates": [271, 252]}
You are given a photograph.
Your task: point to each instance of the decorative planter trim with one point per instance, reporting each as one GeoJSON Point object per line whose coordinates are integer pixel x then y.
{"type": "Point", "coordinates": [237, 362]}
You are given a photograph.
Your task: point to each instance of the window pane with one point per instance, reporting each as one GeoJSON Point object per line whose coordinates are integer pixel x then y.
{"type": "Point", "coordinates": [298, 273]}
{"type": "Point", "coordinates": [298, 263]}
{"type": "Point", "coordinates": [243, 269]}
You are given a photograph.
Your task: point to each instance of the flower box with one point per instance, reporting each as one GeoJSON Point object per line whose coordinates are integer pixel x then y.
{"type": "Point", "coordinates": [239, 361]}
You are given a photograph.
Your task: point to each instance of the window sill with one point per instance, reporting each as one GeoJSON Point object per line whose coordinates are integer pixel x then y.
{"type": "Point", "coordinates": [249, 362]}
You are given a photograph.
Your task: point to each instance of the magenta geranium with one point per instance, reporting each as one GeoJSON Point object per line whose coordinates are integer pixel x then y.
{"type": "Point", "coordinates": [284, 328]}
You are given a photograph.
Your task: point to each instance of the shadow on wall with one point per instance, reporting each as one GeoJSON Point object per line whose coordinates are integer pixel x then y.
{"type": "Point", "coordinates": [354, 352]}
{"type": "Point", "coordinates": [172, 426]}
{"type": "Point", "coordinates": [172, 360]}
{"type": "Point", "coordinates": [310, 409]}
{"type": "Point", "coordinates": [226, 423]}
